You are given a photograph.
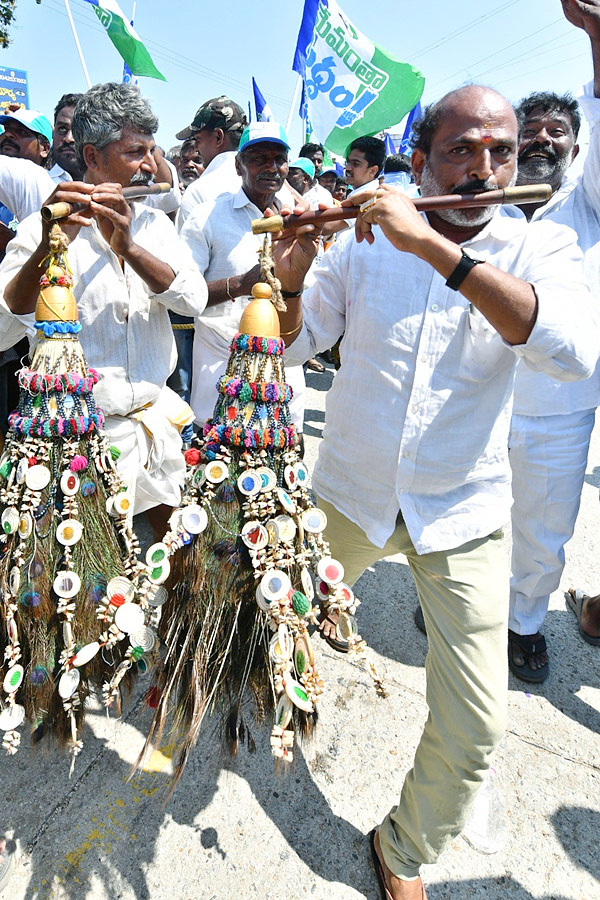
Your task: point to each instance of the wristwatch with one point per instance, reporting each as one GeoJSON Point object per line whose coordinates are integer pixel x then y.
{"type": "Point", "coordinates": [467, 262]}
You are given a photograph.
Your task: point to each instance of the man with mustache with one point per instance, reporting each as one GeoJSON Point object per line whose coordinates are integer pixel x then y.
{"type": "Point", "coordinates": [66, 164]}
{"type": "Point", "coordinates": [225, 250]}
{"type": "Point", "coordinates": [437, 309]}
{"type": "Point", "coordinates": [130, 269]}
{"type": "Point", "coordinates": [27, 135]}
{"type": "Point", "coordinates": [552, 422]}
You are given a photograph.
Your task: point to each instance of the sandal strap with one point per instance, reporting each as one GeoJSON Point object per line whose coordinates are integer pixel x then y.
{"type": "Point", "coordinates": [527, 644]}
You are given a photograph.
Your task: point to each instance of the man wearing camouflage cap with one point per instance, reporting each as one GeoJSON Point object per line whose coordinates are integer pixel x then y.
{"type": "Point", "coordinates": [216, 128]}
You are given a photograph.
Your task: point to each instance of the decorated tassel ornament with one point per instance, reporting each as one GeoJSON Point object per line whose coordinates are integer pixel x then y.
{"type": "Point", "coordinates": [68, 556]}
{"type": "Point", "coordinates": [245, 549]}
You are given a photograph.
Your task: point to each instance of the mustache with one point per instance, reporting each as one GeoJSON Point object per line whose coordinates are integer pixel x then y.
{"type": "Point", "coordinates": [538, 151]}
{"type": "Point", "coordinates": [142, 178]}
{"type": "Point", "coordinates": [7, 142]}
{"type": "Point", "coordinates": [269, 176]}
{"type": "Point", "coordinates": [475, 186]}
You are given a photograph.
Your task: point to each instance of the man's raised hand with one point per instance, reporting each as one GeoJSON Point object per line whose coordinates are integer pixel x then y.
{"type": "Point", "coordinates": [584, 15]}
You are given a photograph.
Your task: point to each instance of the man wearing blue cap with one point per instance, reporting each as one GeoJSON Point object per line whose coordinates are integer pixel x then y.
{"type": "Point", "coordinates": [27, 135]}
{"type": "Point", "coordinates": [301, 174]}
{"type": "Point", "coordinates": [225, 250]}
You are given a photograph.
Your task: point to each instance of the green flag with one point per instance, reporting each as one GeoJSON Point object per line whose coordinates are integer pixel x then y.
{"type": "Point", "coordinates": [125, 39]}
{"type": "Point", "coordinates": [352, 86]}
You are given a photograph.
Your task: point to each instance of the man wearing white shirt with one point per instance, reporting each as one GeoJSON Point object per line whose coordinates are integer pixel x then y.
{"type": "Point", "coordinates": [414, 456]}
{"type": "Point", "coordinates": [217, 128]}
{"type": "Point", "coordinates": [552, 421]}
{"type": "Point", "coordinates": [219, 236]}
{"type": "Point", "coordinates": [130, 268]}
{"type": "Point", "coordinates": [66, 163]}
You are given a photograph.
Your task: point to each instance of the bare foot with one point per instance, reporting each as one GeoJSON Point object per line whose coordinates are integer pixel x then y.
{"type": "Point", "coordinates": [396, 888]}
{"type": "Point", "coordinates": [328, 625]}
{"type": "Point", "coordinates": [590, 616]}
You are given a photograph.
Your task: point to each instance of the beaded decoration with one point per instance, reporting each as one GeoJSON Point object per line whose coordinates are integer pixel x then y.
{"type": "Point", "coordinates": [245, 547]}
{"type": "Point", "coordinates": [67, 550]}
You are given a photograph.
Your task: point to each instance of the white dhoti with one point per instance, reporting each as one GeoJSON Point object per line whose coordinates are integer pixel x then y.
{"type": "Point", "coordinates": [151, 459]}
{"type": "Point", "coordinates": [548, 458]}
{"type": "Point", "coordinates": [211, 354]}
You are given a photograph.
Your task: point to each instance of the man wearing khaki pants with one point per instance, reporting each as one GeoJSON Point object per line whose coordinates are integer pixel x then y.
{"type": "Point", "coordinates": [436, 310]}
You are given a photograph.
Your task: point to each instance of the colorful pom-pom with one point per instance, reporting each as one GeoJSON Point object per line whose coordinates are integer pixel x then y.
{"type": "Point", "coordinates": [192, 456]}
{"type": "Point", "coordinates": [78, 463]}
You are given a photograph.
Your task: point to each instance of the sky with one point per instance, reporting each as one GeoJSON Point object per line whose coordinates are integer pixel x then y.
{"type": "Point", "coordinates": [208, 48]}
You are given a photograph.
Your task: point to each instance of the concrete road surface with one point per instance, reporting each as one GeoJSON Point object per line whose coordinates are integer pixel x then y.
{"type": "Point", "coordinates": [235, 829]}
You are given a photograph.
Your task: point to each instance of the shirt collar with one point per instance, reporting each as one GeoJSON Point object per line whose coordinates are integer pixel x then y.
{"type": "Point", "coordinates": [221, 159]}
{"type": "Point", "coordinates": [241, 199]}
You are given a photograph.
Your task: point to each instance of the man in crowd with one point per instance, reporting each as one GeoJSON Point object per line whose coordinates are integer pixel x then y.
{"type": "Point", "coordinates": [364, 161]}
{"type": "Point", "coordinates": [316, 154]}
{"type": "Point", "coordinates": [436, 312]}
{"type": "Point", "coordinates": [66, 164]}
{"type": "Point", "coordinates": [316, 194]}
{"type": "Point", "coordinates": [27, 135]}
{"type": "Point", "coordinates": [301, 175]}
{"type": "Point", "coordinates": [341, 190]}
{"type": "Point", "coordinates": [398, 172]}
{"type": "Point", "coordinates": [225, 250]}
{"type": "Point", "coordinates": [552, 422]}
{"type": "Point", "coordinates": [192, 166]}
{"type": "Point", "coordinates": [328, 179]}
{"type": "Point", "coordinates": [130, 267]}
{"type": "Point", "coordinates": [216, 129]}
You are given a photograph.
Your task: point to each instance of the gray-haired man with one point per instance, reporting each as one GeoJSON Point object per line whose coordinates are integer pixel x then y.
{"type": "Point", "coordinates": [130, 268]}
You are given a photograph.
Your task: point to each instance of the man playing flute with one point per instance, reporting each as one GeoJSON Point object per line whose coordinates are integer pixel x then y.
{"type": "Point", "coordinates": [130, 268]}
{"type": "Point", "coordinates": [436, 310]}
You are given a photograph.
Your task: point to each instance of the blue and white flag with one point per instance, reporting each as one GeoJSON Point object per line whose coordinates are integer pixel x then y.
{"type": "Point", "coordinates": [353, 87]}
{"type": "Point", "coordinates": [263, 110]}
{"type": "Point", "coordinates": [390, 150]}
{"type": "Point", "coordinates": [414, 115]}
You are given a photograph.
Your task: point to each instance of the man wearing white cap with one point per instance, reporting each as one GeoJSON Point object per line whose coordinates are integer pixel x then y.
{"type": "Point", "coordinates": [225, 250]}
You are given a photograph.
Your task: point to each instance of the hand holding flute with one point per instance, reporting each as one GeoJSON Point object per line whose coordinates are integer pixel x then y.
{"type": "Point", "coordinates": [104, 202]}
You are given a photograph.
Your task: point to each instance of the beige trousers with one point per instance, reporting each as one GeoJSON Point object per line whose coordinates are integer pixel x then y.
{"type": "Point", "coordinates": [464, 597]}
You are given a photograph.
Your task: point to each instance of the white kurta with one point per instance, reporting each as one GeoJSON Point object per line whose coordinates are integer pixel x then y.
{"type": "Point", "coordinates": [553, 421]}
{"type": "Point", "coordinates": [219, 237]}
{"type": "Point", "coordinates": [418, 415]}
{"type": "Point", "coordinates": [127, 337]}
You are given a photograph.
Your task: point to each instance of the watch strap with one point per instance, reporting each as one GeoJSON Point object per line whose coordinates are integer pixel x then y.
{"type": "Point", "coordinates": [463, 268]}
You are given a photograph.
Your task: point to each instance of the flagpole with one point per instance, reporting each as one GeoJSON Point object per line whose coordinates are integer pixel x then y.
{"type": "Point", "coordinates": [77, 44]}
{"type": "Point", "coordinates": [293, 105]}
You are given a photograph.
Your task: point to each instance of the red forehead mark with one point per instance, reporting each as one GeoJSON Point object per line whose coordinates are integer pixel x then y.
{"type": "Point", "coordinates": [486, 136]}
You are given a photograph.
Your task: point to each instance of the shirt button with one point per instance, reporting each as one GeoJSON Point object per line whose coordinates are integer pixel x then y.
{"type": "Point", "coordinates": [424, 358]}
{"type": "Point", "coordinates": [434, 307]}
{"type": "Point", "coordinates": [415, 407]}
{"type": "Point", "coordinates": [406, 454]}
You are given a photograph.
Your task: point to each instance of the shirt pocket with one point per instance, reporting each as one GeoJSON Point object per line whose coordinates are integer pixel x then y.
{"type": "Point", "coordinates": [483, 352]}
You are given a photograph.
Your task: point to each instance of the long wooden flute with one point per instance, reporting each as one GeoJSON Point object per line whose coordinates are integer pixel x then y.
{"type": "Point", "coordinates": [53, 211]}
{"type": "Point", "coordinates": [532, 193]}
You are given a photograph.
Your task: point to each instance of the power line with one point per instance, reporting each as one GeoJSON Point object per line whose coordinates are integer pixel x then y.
{"type": "Point", "coordinates": [174, 58]}
{"type": "Point", "coordinates": [551, 65]}
{"type": "Point", "coordinates": [464, 28]}
{"type": "Point", "coordinates": [486, 59]}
